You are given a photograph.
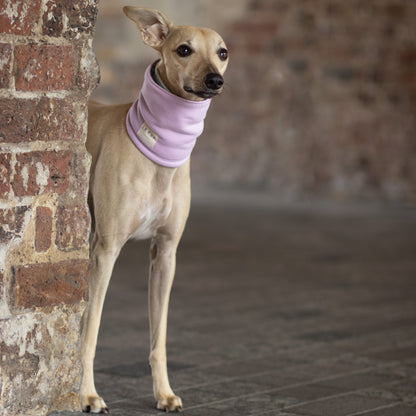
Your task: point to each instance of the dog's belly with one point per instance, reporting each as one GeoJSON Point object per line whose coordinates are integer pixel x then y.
{"type": "Point", "coordinates": [151, 216]}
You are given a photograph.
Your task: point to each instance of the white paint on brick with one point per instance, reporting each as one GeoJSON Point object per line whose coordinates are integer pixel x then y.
{"type": "Point", "coordinates": [11, 10]}
{"type": "Point", "coordinates": [25, 176]}
{"type": "Point", "coordinates": [5, 247]}
{"type": "Point", "coordinates": [27, 75]}
{"type": "Point", "coordinates": [65, 21]}
{"type": "Point", "coordinates": [42, 175]}
{"type": "Point", "coordinates": [3, 254]}
{"type": "Point", "coordinates": [15, 333]}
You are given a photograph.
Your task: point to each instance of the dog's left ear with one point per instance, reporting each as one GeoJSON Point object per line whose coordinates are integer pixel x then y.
{"type": "Point", "coordinates": [154, 25]}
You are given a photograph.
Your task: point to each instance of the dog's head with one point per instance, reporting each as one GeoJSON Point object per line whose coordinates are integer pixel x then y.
{"type": "Point", "coordinates": [193, 60]}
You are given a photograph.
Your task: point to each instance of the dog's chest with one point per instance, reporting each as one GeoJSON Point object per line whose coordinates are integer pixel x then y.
{"type": "Point", "coordinates": [151, 215]}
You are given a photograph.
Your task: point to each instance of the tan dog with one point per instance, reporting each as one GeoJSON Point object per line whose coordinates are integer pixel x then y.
{"type": "Point", "coordinates": [132, 196]}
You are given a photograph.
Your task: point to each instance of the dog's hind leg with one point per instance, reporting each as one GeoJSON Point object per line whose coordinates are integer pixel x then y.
{"type": "Point", "coordinates": [103, 257]}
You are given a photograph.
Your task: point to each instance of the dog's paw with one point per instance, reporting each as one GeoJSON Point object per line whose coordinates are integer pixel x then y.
{"type": "Point", "coordinates": [94, 404]}
{"type": "Point", "coordinates": [170, 404]}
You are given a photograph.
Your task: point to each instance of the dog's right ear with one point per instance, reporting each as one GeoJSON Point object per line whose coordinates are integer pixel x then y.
{"type": "Point", "coordinates": [154, 25]}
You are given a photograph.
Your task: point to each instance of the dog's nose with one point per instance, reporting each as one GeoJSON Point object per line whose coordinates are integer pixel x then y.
{"type": "Point", "coordinates": [214, 81]}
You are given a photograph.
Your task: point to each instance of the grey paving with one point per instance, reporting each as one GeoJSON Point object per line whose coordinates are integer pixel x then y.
{"type": "Point", "coordinates": [277, 309]}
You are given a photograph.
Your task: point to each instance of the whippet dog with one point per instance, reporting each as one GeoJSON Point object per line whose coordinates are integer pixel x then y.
{"type": "Point", "coordinates": [140, 179]}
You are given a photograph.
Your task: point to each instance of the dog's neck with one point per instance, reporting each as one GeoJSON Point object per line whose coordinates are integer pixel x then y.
{"type": "Point", "coordinates": [157, 78]}
{"type": "Point", "coordinates": [163, 126]}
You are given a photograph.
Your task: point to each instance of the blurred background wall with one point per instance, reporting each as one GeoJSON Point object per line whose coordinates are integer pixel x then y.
{"type": "Point", "coordinates": [320, 98]}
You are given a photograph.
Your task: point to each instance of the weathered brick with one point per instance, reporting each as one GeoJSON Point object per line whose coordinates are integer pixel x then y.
{"type": "Point", "coordinates": [19, 17]}
{"type": "Point", "coordinates": [44, 119]}
{"type": "Point", "coordinates": [52, 18]}
{"type": "Point", "coordinates": [81, 15]}
{"type": "Point", "coordinates": [5, 63]}
{"type": "Point", "coordinates": [5, 168]}
{"type": "Point", "coordinates": [43, 237]}
{"type": "Point", "coordinates": [11, 222]}
{"type": "Point", "coordinates": [72, 227]}
{"type": "Point", "coordinates": [44, 67]}
{"type": "Point", "coordinates": [79, 184]}
{"type": "Point", "coordinates": [88, 72]}
{"type": "Point", "coordinates": [41, 172]}
{"type": "Point", "coordinates": [50, 284]}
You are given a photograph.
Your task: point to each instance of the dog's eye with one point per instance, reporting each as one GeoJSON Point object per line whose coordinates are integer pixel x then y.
{"type": "Point", "coordinates": [184, 51]}
{"type": "Point", "coordinates": [223, 54]}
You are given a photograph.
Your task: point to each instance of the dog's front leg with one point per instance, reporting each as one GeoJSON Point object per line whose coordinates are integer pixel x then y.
{"type": "Point", "coordinates": [103, 257]}
{"type": "Point", "coordinates": [162, 270]}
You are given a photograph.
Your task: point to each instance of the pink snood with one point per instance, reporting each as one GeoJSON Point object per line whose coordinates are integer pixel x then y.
{"type": "Point", "coordinates": [163, 126]}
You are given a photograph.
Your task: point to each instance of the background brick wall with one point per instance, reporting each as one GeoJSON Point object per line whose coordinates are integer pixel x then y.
{"type": "Point", "coordinates": [320, 98]}
{"type": "Point", "coordinates": [47, 71]}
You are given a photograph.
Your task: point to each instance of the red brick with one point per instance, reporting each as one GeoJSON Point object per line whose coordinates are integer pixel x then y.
{"type": "Point", "coordinates": [72, 227]}
{"type": "Point", "coordinates": [5, 62]}
{"type": "Point", "coordinates": [43, 236]}
{"type": "Point", "coordinates": [42, 172]}
{"type": "Point", "coordinates": [44, 119]}
{"type": "Point", "coordinates": [44, 67]}
{"type": "Point", "coordinates": [5, 168]}
{"type": "Point", "coordinates": [47, 284]}
{"type": "Point", "coordinates": [19, 17]}
{"type": "Point", "coordinates": [11, 222]}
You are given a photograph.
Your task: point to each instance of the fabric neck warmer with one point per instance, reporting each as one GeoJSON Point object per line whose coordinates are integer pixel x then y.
{"type": "Point", "coordinates": [163, 126]}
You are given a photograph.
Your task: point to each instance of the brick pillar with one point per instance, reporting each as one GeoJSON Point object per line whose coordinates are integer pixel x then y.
{"type": "Point", "coordinates": [47, 71]}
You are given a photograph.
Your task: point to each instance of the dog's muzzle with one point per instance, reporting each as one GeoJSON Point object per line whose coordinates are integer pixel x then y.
{"type": "Point", "coordinates": [213, 83]}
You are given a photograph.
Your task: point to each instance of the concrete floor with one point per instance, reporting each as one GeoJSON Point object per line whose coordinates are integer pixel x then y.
{"type": "Point", "coordinates": [306, 309]}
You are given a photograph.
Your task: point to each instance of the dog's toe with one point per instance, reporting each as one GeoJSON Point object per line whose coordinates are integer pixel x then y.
{"type": "Point", "coordinates": [95, 405]}
{"type": "Point", "coordinates": [170, 404]}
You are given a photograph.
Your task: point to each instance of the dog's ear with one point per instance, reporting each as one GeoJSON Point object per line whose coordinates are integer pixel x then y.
{"type": "Point", "coordinates": [154, 25]}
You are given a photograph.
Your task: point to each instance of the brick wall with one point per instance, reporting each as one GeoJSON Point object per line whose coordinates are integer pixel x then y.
{"type": "Point", "coordinates": [321, 101]}
{"type": "Point", "coordinates": [47, 71]}
{"type": "Point", "coordinates": [320, 98]}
